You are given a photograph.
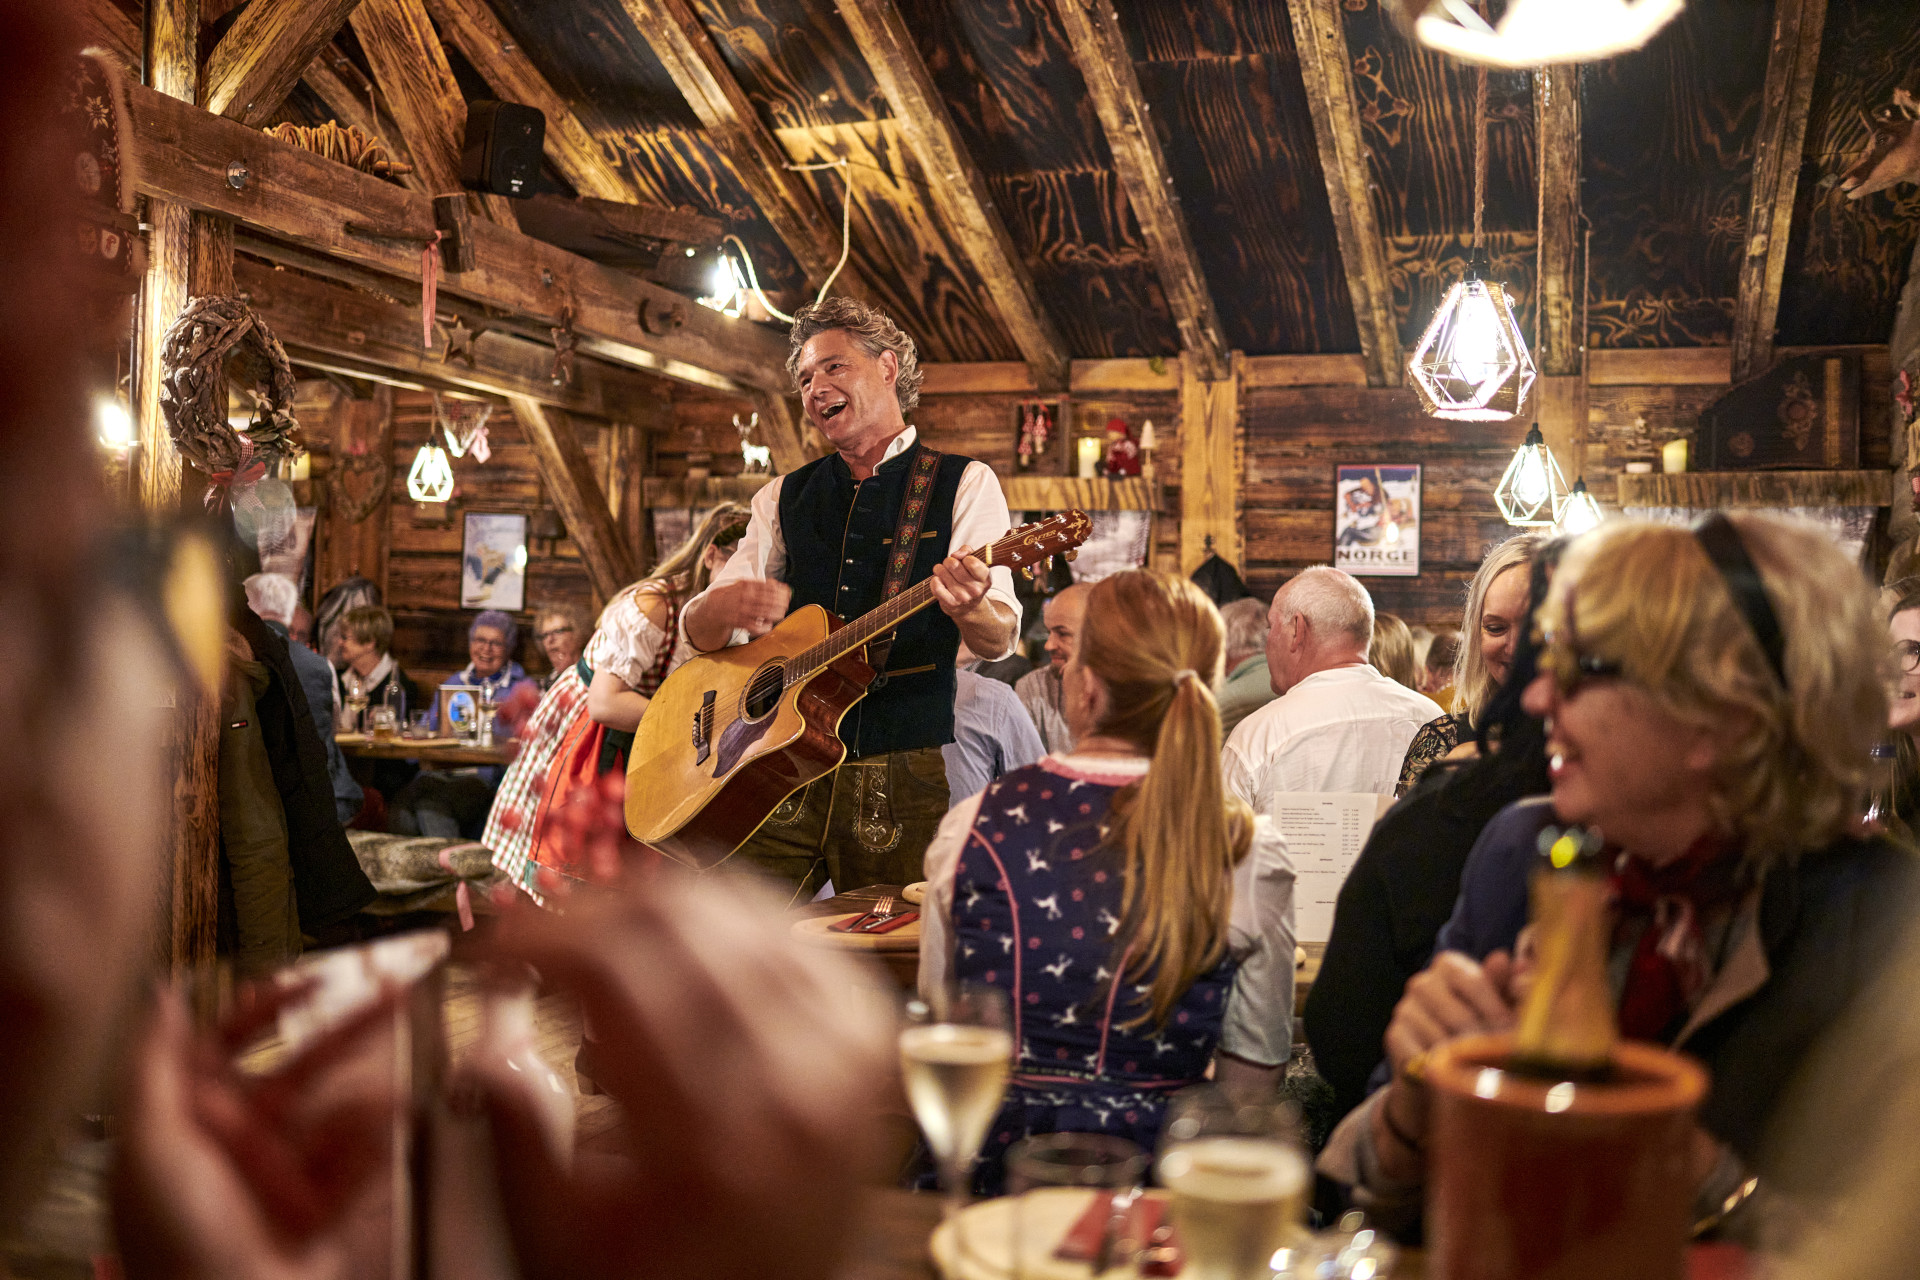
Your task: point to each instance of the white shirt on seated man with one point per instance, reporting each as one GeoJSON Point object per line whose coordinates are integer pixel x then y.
{"type": "Point", "coordinates": [1337, 724]}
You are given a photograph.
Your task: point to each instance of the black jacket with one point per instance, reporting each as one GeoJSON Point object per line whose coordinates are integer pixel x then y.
{"type": "Point", "coordinates": [327, 880]}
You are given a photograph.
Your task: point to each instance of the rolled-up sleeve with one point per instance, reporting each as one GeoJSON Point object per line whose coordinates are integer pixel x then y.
{"type": "Point", "coordinates": [761, 555]}
{"type": "Point", "coordinates": [1260, 934]}
{"type": "Point", "coordinates": [980, 519]}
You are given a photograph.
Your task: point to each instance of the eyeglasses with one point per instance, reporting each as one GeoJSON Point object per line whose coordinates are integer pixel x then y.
{"type": "Point", "coordinates": [1907, 653]}
{"type": "Point", "coordinates": [1571, 669]}
{"type": "Point", "coordinates": [551, 632]}
{"type": "Point", "coordinates": [479, 643]}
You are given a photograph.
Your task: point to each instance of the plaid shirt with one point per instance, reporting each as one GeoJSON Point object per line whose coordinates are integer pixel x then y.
{"type": "Point", "coordinates": [509, 832]}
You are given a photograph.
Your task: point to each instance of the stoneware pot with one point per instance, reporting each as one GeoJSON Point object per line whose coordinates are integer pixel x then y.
{"type": "Point", "coordinates": [1529, 1179]}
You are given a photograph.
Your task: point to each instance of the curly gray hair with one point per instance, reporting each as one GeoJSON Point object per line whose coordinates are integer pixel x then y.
{"type": "Point", "coordinates": [871, 328]}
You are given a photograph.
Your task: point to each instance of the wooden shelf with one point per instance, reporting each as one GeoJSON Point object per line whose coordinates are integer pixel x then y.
{"type": "Point", "coordinates": [1024, 493]}
{"type": "Point", "coordinates": [1063, 493]}
{"type": "Point", "coordinates": [1707, 490]}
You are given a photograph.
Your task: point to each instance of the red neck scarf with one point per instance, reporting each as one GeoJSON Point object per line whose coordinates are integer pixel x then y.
{"type": "Point", "coordinates": [1669, 967]}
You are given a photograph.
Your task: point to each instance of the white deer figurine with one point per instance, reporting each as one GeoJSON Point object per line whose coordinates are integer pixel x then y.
{"type": "Point", "coordinates": [759, 457]}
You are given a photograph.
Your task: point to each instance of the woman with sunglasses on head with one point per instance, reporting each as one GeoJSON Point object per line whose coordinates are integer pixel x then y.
{"type": "Point", "coordinates": [1710, 699]}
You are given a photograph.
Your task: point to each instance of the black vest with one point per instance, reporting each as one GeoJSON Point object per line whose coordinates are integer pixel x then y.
{"type": "Point", "coordinates": [839, 534]}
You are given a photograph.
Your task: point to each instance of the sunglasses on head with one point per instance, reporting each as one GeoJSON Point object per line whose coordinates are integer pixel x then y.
{"type": "Point", "coordinates": [1561, 658]}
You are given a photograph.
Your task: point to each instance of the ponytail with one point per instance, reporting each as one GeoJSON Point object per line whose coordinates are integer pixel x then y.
{"type": "Point", "coordinates": [1157, 643]}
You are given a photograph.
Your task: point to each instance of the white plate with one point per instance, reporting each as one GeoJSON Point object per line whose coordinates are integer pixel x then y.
{"type": "Point", "coordinates": [989, 1227]}
{"type": "Point", "coordinates": [916, 893]}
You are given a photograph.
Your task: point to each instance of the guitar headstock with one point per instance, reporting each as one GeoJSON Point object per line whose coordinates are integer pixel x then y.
{"type": "Point", "coordinates": [1032, 544]}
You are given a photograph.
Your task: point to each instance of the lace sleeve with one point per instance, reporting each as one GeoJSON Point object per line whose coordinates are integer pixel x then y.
{"type": "Point", "coordinates": [1434, 740]}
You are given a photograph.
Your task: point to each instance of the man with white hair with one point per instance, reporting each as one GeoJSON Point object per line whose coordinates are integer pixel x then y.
{"type": "Point", "coordinates": [1337, 724]}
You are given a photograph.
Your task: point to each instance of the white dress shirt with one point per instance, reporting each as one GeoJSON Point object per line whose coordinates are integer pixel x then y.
{"type": "Point", "coordinates": [1345, 729]}
{"type": "Point", "coordinates": [980, 518]}
{"type": "Point", "coordinates": [1258, 1026]}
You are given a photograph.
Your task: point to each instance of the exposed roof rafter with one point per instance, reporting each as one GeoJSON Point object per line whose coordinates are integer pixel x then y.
{"type": "Point", "coordinates": [1791, 62]}
{"type": "Point", "coordinates": [262, 56]}
{"type": "Point", "coordinates": [955, 183]}
{"type": "Point", "coordinates": [1325, 65]}
{"type": "Point", "coordinates": [1100, 51]}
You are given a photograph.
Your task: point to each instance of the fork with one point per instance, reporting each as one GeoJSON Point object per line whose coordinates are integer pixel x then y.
{"type": "Point", "coordinates": [881, 913]}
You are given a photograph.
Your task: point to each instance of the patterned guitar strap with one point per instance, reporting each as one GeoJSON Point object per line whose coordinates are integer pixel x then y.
{"type": "Point", "coordinates": [906, 549]}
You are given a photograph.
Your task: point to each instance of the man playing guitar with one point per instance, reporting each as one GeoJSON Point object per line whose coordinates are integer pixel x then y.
{"type": "Point", "coordinates": [826, 535]}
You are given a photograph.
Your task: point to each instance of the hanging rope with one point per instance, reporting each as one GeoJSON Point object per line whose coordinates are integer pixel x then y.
{"type": "Point", "coordinates": [1479, 153]}
{"type": "Point", "coordinates": [846, 240]}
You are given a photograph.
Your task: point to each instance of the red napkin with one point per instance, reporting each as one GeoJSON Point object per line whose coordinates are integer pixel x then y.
{"type": "Point", "coordinates": [1082, 1240]}
{"type": "Point", "coordinates": [852, 924]}
{"type": "Point", "coordinates": [1718, 1262]}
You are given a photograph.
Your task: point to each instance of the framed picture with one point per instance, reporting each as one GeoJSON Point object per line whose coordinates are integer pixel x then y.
{"type": "Point", "coordinates": [1376, 520]}
{"type": "Point", "coordinates": [493, 563]}
{"type": "Point", "coordinates": [454, 707]}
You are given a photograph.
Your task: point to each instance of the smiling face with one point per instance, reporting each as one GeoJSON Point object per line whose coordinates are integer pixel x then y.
{"type": "Point", "coordinates": [847, 393]}
{"type": "Point", "coordinates": [1064, 615]}
{"type": "Point", "coordinates": [559, 640]}
{"type": "Point", "coordinates": [1904, 633]}
{"type": "Point", "coordinates": [487, 648]}
{"type": "Point", "coordinates": [1501, 618]}
{"type": "Point", "coordinates": [1621, 762]}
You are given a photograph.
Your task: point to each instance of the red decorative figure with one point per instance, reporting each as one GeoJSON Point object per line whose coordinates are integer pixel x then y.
{"type": "Point", "coordinates": [1123, 455]}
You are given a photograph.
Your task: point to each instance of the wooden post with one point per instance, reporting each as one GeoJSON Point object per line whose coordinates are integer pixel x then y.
{"type": "Point", "coordinates": [1210, 465]}
{"type": "Point", "coordinates": [567, 472]}
{"type": "Point", "coordinates": [261, 57]}
{"type": "Point", "coordinates": [1560, 396]}
{"type": "Point", "coordinates": [1791, 63]}
{"type": "Point", "coordinates": [193, 735]}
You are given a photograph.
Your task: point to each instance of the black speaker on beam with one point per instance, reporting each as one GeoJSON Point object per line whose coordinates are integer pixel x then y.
{"type": "Point", "coordinates": [502, 151]}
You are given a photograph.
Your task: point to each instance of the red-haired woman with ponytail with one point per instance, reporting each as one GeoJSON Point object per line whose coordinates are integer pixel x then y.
{"type": "Point", "coordinates": [1139, 919]}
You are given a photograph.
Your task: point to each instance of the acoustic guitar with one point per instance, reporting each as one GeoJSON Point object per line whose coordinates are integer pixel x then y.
{"type": "Point", "coordinates": [733, 733]}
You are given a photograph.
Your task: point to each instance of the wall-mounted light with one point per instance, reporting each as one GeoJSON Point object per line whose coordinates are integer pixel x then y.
{"type": "Point", "coordinates": [431, 477]}
{"type": "Point", "coordinates": [113, 423]}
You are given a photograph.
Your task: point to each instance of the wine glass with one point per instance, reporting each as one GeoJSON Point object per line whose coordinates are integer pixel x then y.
{"type": "Point", "coordinates": [356, 700]}
{"type": "Point", "coordinates": [1239, 1184]}
{"type": "Point", "coordinates": [955, 1052]}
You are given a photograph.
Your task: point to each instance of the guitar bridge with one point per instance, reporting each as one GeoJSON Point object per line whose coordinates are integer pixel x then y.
{"type": "Point", "coordinates": [703, 730]}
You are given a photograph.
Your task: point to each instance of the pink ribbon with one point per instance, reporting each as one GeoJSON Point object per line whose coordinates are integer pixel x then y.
{"type": "Point", "coordinates": [237, 485]}
{"type": "Point", "coordinates": [429, 288]}
{"type": "Point", "coordinates": [462, 896]}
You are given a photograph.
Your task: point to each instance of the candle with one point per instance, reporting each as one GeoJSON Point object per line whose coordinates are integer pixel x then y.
{"type": "Point", "coordinates": [1089, 453]}
{"type": "Point", "coordinates": [1673, 456]}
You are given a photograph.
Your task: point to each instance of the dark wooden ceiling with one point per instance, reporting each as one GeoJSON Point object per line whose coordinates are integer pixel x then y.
{"type": "Point", "coordinates": [1669, 137]}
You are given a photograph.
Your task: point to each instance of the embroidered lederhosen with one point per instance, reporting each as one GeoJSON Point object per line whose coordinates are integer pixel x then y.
{"type": "Point", "coordinates": [1036, 902]}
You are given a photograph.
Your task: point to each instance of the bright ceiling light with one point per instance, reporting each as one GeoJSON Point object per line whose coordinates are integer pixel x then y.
{"type": "Point", "coordinates": [1537, 33]}
{"type": "Point", "coordinates": [1472, 363]}
{"type": "Point", "coordinates": [1532, 494]}
{"type": "Point", "coordinates": [431, 477]}
{"type": "Point", "coordinates": [1581, 512]}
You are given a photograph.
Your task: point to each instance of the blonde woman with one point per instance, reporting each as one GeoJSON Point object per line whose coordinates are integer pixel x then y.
{"type": "Point", "coordinates": [1710, 699]}
{"type": "Point", "coordinates": [1142, 918]}
{"type": "Point", "coordinates": [1391, 653]}
{"type": "Point", "coordinates": [627, 658]}
{"type": "Point", "coordinates": [1496, 611]}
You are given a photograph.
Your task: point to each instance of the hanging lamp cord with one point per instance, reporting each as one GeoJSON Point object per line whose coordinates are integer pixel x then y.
{"type": "Point", "coordinates": [1479, 152]}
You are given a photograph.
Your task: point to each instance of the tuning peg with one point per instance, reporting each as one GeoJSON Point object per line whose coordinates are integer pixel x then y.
{"type": "Point", "coordinates": [1027, 571]}
{"type": "Point", "coordinates": [1070, 556]}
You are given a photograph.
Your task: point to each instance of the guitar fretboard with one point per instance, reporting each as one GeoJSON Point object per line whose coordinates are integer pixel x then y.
{"type": "Point", "coordinates": [804, 666]}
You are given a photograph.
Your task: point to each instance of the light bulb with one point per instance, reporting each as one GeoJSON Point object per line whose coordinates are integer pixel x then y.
{"type": "Point", "coordinates": [1476, 337]}
{"type": "Point", "coordinates": [1531, 485]}
{"type": "Point", "coordinates": [113, 422]}
{"type": "Point", "coordinates": [1582, 512]}
{"type": "Point", "coordinates": [430, 479]}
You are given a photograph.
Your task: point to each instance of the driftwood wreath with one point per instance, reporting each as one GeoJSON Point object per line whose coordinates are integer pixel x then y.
{"type": "Point", "coordinates": [195, 357]}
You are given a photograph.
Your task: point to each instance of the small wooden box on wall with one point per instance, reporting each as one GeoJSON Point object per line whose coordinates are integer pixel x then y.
{"type": "Point", "coordinates": [1801, 415]}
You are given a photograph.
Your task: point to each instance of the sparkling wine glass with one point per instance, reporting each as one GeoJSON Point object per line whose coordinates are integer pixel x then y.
{"type": "Point", "coordinates": [955, 1052]}
{"type": "Point", "coordinates": [1239, 1184]}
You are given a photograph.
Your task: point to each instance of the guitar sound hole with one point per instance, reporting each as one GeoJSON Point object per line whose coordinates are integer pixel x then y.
{"type": "Point", "coordinates": [763, 695]}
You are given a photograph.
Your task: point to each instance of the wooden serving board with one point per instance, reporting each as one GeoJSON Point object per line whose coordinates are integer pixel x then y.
{"type": "Point", "coordinates": [818, 929]}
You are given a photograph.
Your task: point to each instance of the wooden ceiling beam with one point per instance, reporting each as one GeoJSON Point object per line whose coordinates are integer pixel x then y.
{"type": "Point", "coordinates": [299, 197]}
{"type": "Point", "coordinates": [349, 106]}
{"type": "Point", "coordinates": [473, 28]}
{"type": "Point", "coordinates": [1327, 68]}
{"type": "Point", "coordinates": [263, 54]}
{"type": "Point", "coordinates": [803, 224]}
{"type": "Point", "coordinates": [1100, 50]}
{"type": "Point", "coordinates": [955, 183]}
{"type": "Point", "coordinates": [338, 323]}
{"type": "Point", "coordinates": [429, 112]}
{"type": "Point", "coordinates": [1791, 63]}
{"type": "Point", "coordinates": [567, 472]}
{"type": "Point", "coordinates": [1557, 108]}
{"type": "Point", "coordinates": [105, 25]}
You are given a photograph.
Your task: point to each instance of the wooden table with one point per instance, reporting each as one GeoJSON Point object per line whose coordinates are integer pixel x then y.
{"type": "Point", "coordinates": [902, 965]}
{"type": "Point", "coordinates": [432, 753]}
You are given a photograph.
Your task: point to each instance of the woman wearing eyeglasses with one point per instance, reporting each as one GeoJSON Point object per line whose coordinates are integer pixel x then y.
{"type": "Point", "coordinates": [1710, 697]}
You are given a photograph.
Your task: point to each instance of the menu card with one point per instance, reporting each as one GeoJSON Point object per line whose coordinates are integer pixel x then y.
{"type": "Point", "coordinates": [1325, 832]}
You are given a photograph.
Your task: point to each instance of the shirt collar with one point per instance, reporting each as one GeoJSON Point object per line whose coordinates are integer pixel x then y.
{"type": "Point", "coordinates": [900, 444]}
{"type": "Point", "coordinates": [1356, 672]}
{"type": "Point", "coordinates": [381, 671]}
{"type": "Point", "coordinates": [504, 676]}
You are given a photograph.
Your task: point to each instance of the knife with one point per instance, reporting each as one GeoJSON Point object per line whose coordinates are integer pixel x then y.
{"type": "Point", "coordinates": [1116, 1223]}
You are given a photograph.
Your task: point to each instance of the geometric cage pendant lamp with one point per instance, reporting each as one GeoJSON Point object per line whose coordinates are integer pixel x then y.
{"type": "Point", "coordinates": [1532, 492]}
{"type": "Point", "coordinates": [1472, 364]}
{"type": "Point", "coordinates": [430, 479]}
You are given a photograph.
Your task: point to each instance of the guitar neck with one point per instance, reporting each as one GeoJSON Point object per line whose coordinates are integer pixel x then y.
{"type": "Point", "coordinates": [862, 631]}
